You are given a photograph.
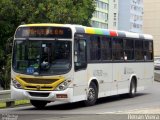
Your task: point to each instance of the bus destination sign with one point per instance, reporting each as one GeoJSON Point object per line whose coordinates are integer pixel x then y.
{"type": "Point", "coordinates": [44, 32]}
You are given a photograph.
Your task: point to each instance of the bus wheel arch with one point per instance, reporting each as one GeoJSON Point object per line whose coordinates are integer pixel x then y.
{"type": "Point", "coordinates": [96, 83]}
{"type": "Point", "coordinates": [92, 93]}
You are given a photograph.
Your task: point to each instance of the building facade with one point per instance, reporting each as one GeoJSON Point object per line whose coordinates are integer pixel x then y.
{"type": "Point", "coordinates": [152, 22]}
{"type": "Point", "coordinates": [100, 16]}
{"type": "Point", "coordinates": [113, 14]}
{"type": "Point", "coordinates": [130, 16]}
{"type": "Point", "coordinates": [124, 15]}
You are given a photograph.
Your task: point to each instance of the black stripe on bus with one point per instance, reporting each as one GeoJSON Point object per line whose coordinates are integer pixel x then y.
{"type": "Point", "coordinates": [121, 34]}
{"type": "Point", "coordinates": [141, 36]}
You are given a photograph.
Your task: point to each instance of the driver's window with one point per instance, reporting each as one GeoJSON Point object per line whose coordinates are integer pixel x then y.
{"type": "Point", "coordinates": [80, 54]}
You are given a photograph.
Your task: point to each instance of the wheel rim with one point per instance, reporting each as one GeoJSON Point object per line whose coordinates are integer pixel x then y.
{"type": "Point", "coordinates": [91, 94]}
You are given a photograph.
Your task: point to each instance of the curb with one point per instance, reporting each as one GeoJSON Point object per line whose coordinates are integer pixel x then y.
{"type": "Point", "coordinates": [6, 101]}
{"type": "Point", "coordinates": [12, 103]}
{"type": "Point", "coordinates": [156, 77]}
{"type": "Point", "coordinates": [5, 94]}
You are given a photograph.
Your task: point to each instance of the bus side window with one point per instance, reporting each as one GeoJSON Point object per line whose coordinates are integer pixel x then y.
{"type": "Point", "coordinates": [80, 54]}
{"type": "Point", "coordinates": [139, 52]}
{"type": "Point", "coordinates": [117, 49]}
{"type": "Point", "coordinates": [128, 49]}
{"type": "Point", "coordinates": [148, 50]}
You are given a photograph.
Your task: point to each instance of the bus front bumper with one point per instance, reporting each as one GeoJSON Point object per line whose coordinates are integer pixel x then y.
{"type": "Point", "coordinates": [65, 95]}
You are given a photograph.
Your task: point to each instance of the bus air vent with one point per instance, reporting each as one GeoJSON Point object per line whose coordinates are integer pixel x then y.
{"type": "Point", "coordinates": [39, 94]}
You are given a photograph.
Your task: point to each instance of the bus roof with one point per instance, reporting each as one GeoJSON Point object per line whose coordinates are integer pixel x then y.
{"type": "Point", "coordinates": [92, 30]}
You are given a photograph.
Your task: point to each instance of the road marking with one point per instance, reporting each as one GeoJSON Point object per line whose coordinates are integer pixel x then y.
{"type": "Point", "coordinates": [45, 119]}
{"type": "Point", "coordinates": [140, 110]}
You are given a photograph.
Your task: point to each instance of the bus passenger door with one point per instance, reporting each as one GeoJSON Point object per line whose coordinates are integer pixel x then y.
{"type": "Point", "coordinates": [80, 65]}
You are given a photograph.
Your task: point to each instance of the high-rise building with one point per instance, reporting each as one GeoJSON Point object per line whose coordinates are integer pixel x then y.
{"type": "Point", "coordinates": [113, 14]}
{"type": "Point", "coordinates": [100, 16]}
{"type": "Point", "coordinates": [124, 15]}
{"type": "Point", "coordinates": [152, 22]}
{"type": "Point", "coordinates": [130, 15]}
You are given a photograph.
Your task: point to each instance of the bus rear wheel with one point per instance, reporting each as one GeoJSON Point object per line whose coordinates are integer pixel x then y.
{"type": "Point", "coordinates": [92, 95]}
{"type": "Point", "coordinates": [132, 91]}
{"type": "Point", "coordinates": [38, 104]}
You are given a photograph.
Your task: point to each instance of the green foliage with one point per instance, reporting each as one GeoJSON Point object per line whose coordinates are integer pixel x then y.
{"type": "Point", "coordinates": [15, 12]}
{"type": "Point", "coordinates": [55, 11]}
{"type": "Point", "coordinates": [5, 73]}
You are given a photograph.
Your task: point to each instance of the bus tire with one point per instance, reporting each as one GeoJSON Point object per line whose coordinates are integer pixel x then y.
{"type": "Point", "coordinates": [132, 90]}
{"type": "Point", "coordinates": [92, 95]}
{"type": "Point", "coordinates": [38, 104]}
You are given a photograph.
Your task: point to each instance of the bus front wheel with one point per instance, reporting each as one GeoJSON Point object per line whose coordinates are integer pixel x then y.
{"type": "Point", "coordinates": [92, 95]}
{"type": "Point", "coordinates": [38, 104]}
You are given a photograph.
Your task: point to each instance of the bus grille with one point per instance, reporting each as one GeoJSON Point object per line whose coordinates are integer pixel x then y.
{"type": "Point", "coordinates": [35, 87]}
{"type": "Point", "coordinates": [39, 81]}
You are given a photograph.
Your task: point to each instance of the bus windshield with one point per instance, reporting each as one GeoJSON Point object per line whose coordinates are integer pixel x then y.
{"type": "Point", "coordinates": [42, 57]}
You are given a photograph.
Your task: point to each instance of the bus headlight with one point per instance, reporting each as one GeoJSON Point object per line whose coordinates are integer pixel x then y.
{"type": "Point", "coordinates": [16, 84]}
{"type": "Point", "coordinates": [64, 85]}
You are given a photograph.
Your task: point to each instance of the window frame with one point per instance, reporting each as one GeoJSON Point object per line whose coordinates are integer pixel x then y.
{"type": "Point", "coordinates": [129, 49]}
{"type": "Point", "coordinates": [117, 60]}
{"type": "Point", "coordinates": [79, 37]}
{"type": "Point", "coordinates": [138, 49]}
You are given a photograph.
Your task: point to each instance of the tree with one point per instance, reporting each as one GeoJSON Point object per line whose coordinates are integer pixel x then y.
{"type": "Point", "coordinates": [15, 12]}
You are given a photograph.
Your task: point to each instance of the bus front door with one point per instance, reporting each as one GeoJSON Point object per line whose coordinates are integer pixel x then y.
{"type": "Point", "coordinates": [80, 67]}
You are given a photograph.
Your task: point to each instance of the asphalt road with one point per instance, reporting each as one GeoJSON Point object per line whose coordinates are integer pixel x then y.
{"type": "Point", "coordinates": [109, 105]}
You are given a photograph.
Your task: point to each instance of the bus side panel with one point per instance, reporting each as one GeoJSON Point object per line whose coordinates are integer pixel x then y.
{"type": "Point", "coordinates": [80, 85]}
{"type": "Point", "coordinates": [137, 69]}
{"type": "Point", "coordinates": [120, 77]}
{"type": "Point", "coordinates": [103, 74]}
{"type": "Point", "coordinates": [144, 73]}
{"type": "Point", "coordinates": [148, 74]}
{"type": "Point", "coordinates": [122, 73]}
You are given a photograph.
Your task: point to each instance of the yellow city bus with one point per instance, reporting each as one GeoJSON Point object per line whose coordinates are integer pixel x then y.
{"type": "Point", "coordinates": [63, 62]}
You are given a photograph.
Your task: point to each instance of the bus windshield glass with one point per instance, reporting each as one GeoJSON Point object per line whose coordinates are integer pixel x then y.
{"type": "Point", "coordinates": [42, 57]}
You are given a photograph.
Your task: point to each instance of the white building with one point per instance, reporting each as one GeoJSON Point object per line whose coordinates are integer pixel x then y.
{"type": "Point", "coordinates": [130, 15]}
{"type": "Point", "coordinates": [113, 14]}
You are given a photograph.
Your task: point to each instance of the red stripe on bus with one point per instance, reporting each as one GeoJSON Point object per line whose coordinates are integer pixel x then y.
{"type": "Point", "coordinates": [113, 33]}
